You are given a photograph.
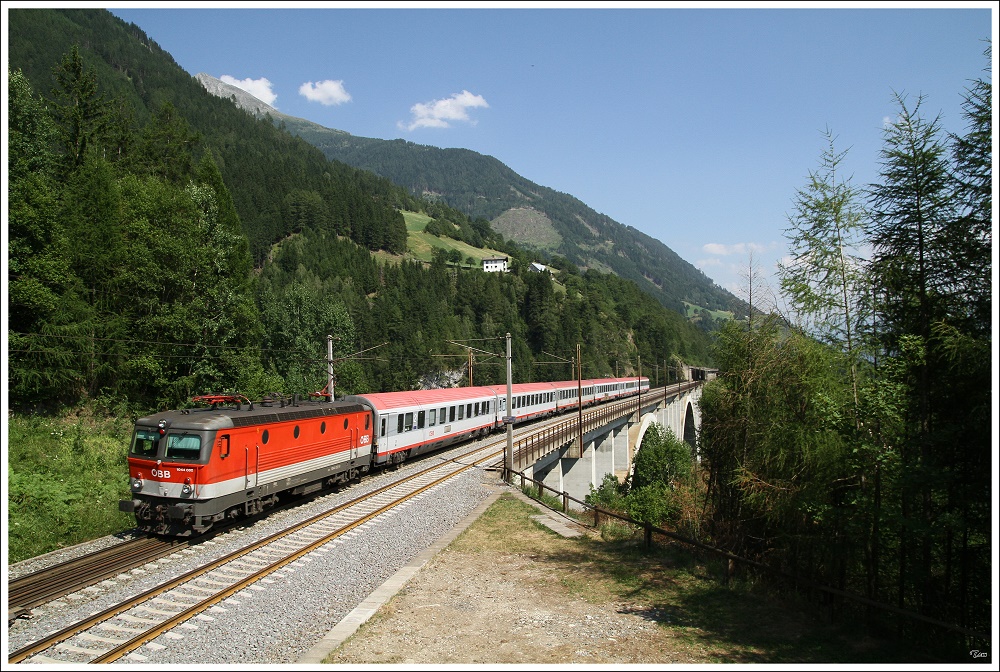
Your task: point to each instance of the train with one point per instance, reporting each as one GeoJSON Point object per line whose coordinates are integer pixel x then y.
{"type": "Point", "coordinates": [192, 468]}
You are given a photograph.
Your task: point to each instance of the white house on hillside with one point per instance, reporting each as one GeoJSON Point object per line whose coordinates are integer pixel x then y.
{"type": "Point", "coordinates": [495, 264]}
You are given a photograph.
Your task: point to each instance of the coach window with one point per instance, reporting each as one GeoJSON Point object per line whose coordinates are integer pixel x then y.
{"type": "Point", "coordinates": [382, 432]}
{"type": "Point", "coordinates": [468, 410]}
{"type": "Point", "coordinates": [461, 412]}
{"type": "Point", "coordinates": [432, 420]}
{"type": "Point", "coordinates": [420, 419]}
{"type": "Point", "coordinates": [443, 414]}
{"type": "Point", "coordinates": [408, 422]}
{"type": "Point", "coordinates": [451, 414]}
{"type": "Point", "coordinates": [399, 424]}
{"type": "Point", "coordinates": [476, 409]}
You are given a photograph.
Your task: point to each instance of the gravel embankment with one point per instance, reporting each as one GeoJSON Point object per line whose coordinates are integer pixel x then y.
{"type": "Point", "coordinates": [280, 617]}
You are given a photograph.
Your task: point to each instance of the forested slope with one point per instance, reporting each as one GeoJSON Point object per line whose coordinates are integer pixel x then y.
{"type": "Point", "coordinates": [163, 243]}
{"type": "Point", "coordinates": [534, 216]}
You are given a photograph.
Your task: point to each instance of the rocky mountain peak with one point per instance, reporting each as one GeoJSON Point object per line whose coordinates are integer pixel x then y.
{"type": "Point", "coordinates": [245, 101]}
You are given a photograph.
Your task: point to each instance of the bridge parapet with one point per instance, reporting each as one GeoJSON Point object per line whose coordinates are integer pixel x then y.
{"type": "Point", "coordinates": [572, 434]}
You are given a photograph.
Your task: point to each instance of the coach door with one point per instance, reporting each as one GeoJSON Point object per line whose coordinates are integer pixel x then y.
{"type": "Point", "coordinates": [389, 438]}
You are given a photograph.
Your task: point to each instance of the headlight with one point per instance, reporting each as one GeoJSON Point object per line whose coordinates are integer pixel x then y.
{"type": "Point", "coordinates": [186, 490]}
{"type": "Point", "coordinates": [137, 484]}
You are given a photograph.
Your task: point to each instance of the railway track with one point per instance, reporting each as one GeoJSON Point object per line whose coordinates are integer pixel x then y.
{"type": "Point", "coordinates": [120, 629]}
{"type": "Point", "coordinates": [35, 589]}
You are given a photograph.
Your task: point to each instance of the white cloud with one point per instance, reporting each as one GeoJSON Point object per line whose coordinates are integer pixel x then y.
{"type": "Point", "coordinates": [258, 88]}
{"type": "Point", "coordinates": [438, 113]}
{"type": "Point", "coordinates": [327, 92]}
{"type": "Point", "coordinates": [736, 248]}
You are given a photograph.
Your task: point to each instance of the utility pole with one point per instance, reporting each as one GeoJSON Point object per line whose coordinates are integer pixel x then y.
{"type": "Point", "coordinates": [579, 395]}
{"type": "Point", "coordinates": [639, 383]}
{"type": "Point", "coordinates": [330, 361]}
{"type": "Point", "coordinates": [470, 367]}
{"type": "Point", "coordinates": [329, 368]}
{"type": "Point", "coordinates": [666, 382]}
{"type": "Point", "coordinates": [509, 420]}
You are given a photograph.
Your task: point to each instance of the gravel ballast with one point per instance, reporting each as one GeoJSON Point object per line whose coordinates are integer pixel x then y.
{"type": "Point", "coordinates": [279, 618]}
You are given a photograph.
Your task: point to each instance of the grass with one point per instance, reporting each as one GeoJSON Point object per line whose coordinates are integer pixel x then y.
{"type": "Point", "coordinates": [683, 593]}
{"type": "Point", "coordinates": [421, 245]}
{"type": "Point", "coordinates": [690, 309]}
{"type": "Point", "coordinates": [65, 476]}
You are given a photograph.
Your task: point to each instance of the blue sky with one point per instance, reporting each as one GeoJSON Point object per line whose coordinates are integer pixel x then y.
{"type": "Point", "coordinates": [693, 123]}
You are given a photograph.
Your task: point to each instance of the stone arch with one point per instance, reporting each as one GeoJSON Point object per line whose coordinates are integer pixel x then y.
{"type": "Point", "coordinates": [690, 432]}
{"type": "Point", "coordinates": [647, 420]}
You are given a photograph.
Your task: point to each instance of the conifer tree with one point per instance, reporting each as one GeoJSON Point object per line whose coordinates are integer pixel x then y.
{"type": "Point", "coordinates": [81, 111]}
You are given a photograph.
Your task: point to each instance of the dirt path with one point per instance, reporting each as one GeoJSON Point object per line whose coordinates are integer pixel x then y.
{"type": "Point", "coordinates": [475, 603]}
{"type": "Point", "coordinates": [510, 590]}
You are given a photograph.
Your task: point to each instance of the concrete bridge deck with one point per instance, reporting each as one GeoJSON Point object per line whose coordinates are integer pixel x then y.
{"type": "Point", "coordinates": [609, 440]}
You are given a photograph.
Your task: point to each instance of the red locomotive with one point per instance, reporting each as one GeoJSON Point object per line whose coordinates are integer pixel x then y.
{"type": "Point", "coordinates": [192, 468]}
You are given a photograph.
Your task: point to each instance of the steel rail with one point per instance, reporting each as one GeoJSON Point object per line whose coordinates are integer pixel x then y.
{"type": "Point", "coordinates": [89, 622]}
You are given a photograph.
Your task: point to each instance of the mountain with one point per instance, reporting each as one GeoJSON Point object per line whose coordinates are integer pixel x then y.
{"type": "Point", "coordinates": [533, 216]}
{"type": "Point", "coordinates": [175, 224]}
{"type": "Point", "coordinates": [240, 98]}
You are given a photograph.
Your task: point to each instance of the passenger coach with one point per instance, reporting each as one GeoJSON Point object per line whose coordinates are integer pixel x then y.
{"type": "Point", "coordinates": [411, 423]}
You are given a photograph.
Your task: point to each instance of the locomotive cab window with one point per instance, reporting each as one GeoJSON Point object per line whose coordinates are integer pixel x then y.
{"type": "Point", "coordinates": [145, 442]}
{"type": "Point", "coordinates": [183, 446]}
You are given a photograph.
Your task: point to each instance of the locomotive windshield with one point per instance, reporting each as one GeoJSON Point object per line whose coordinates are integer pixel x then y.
{"type": "Point", "coordinates": [145, 443]}
{"type": "Point", "coordinates": [183, 446]}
